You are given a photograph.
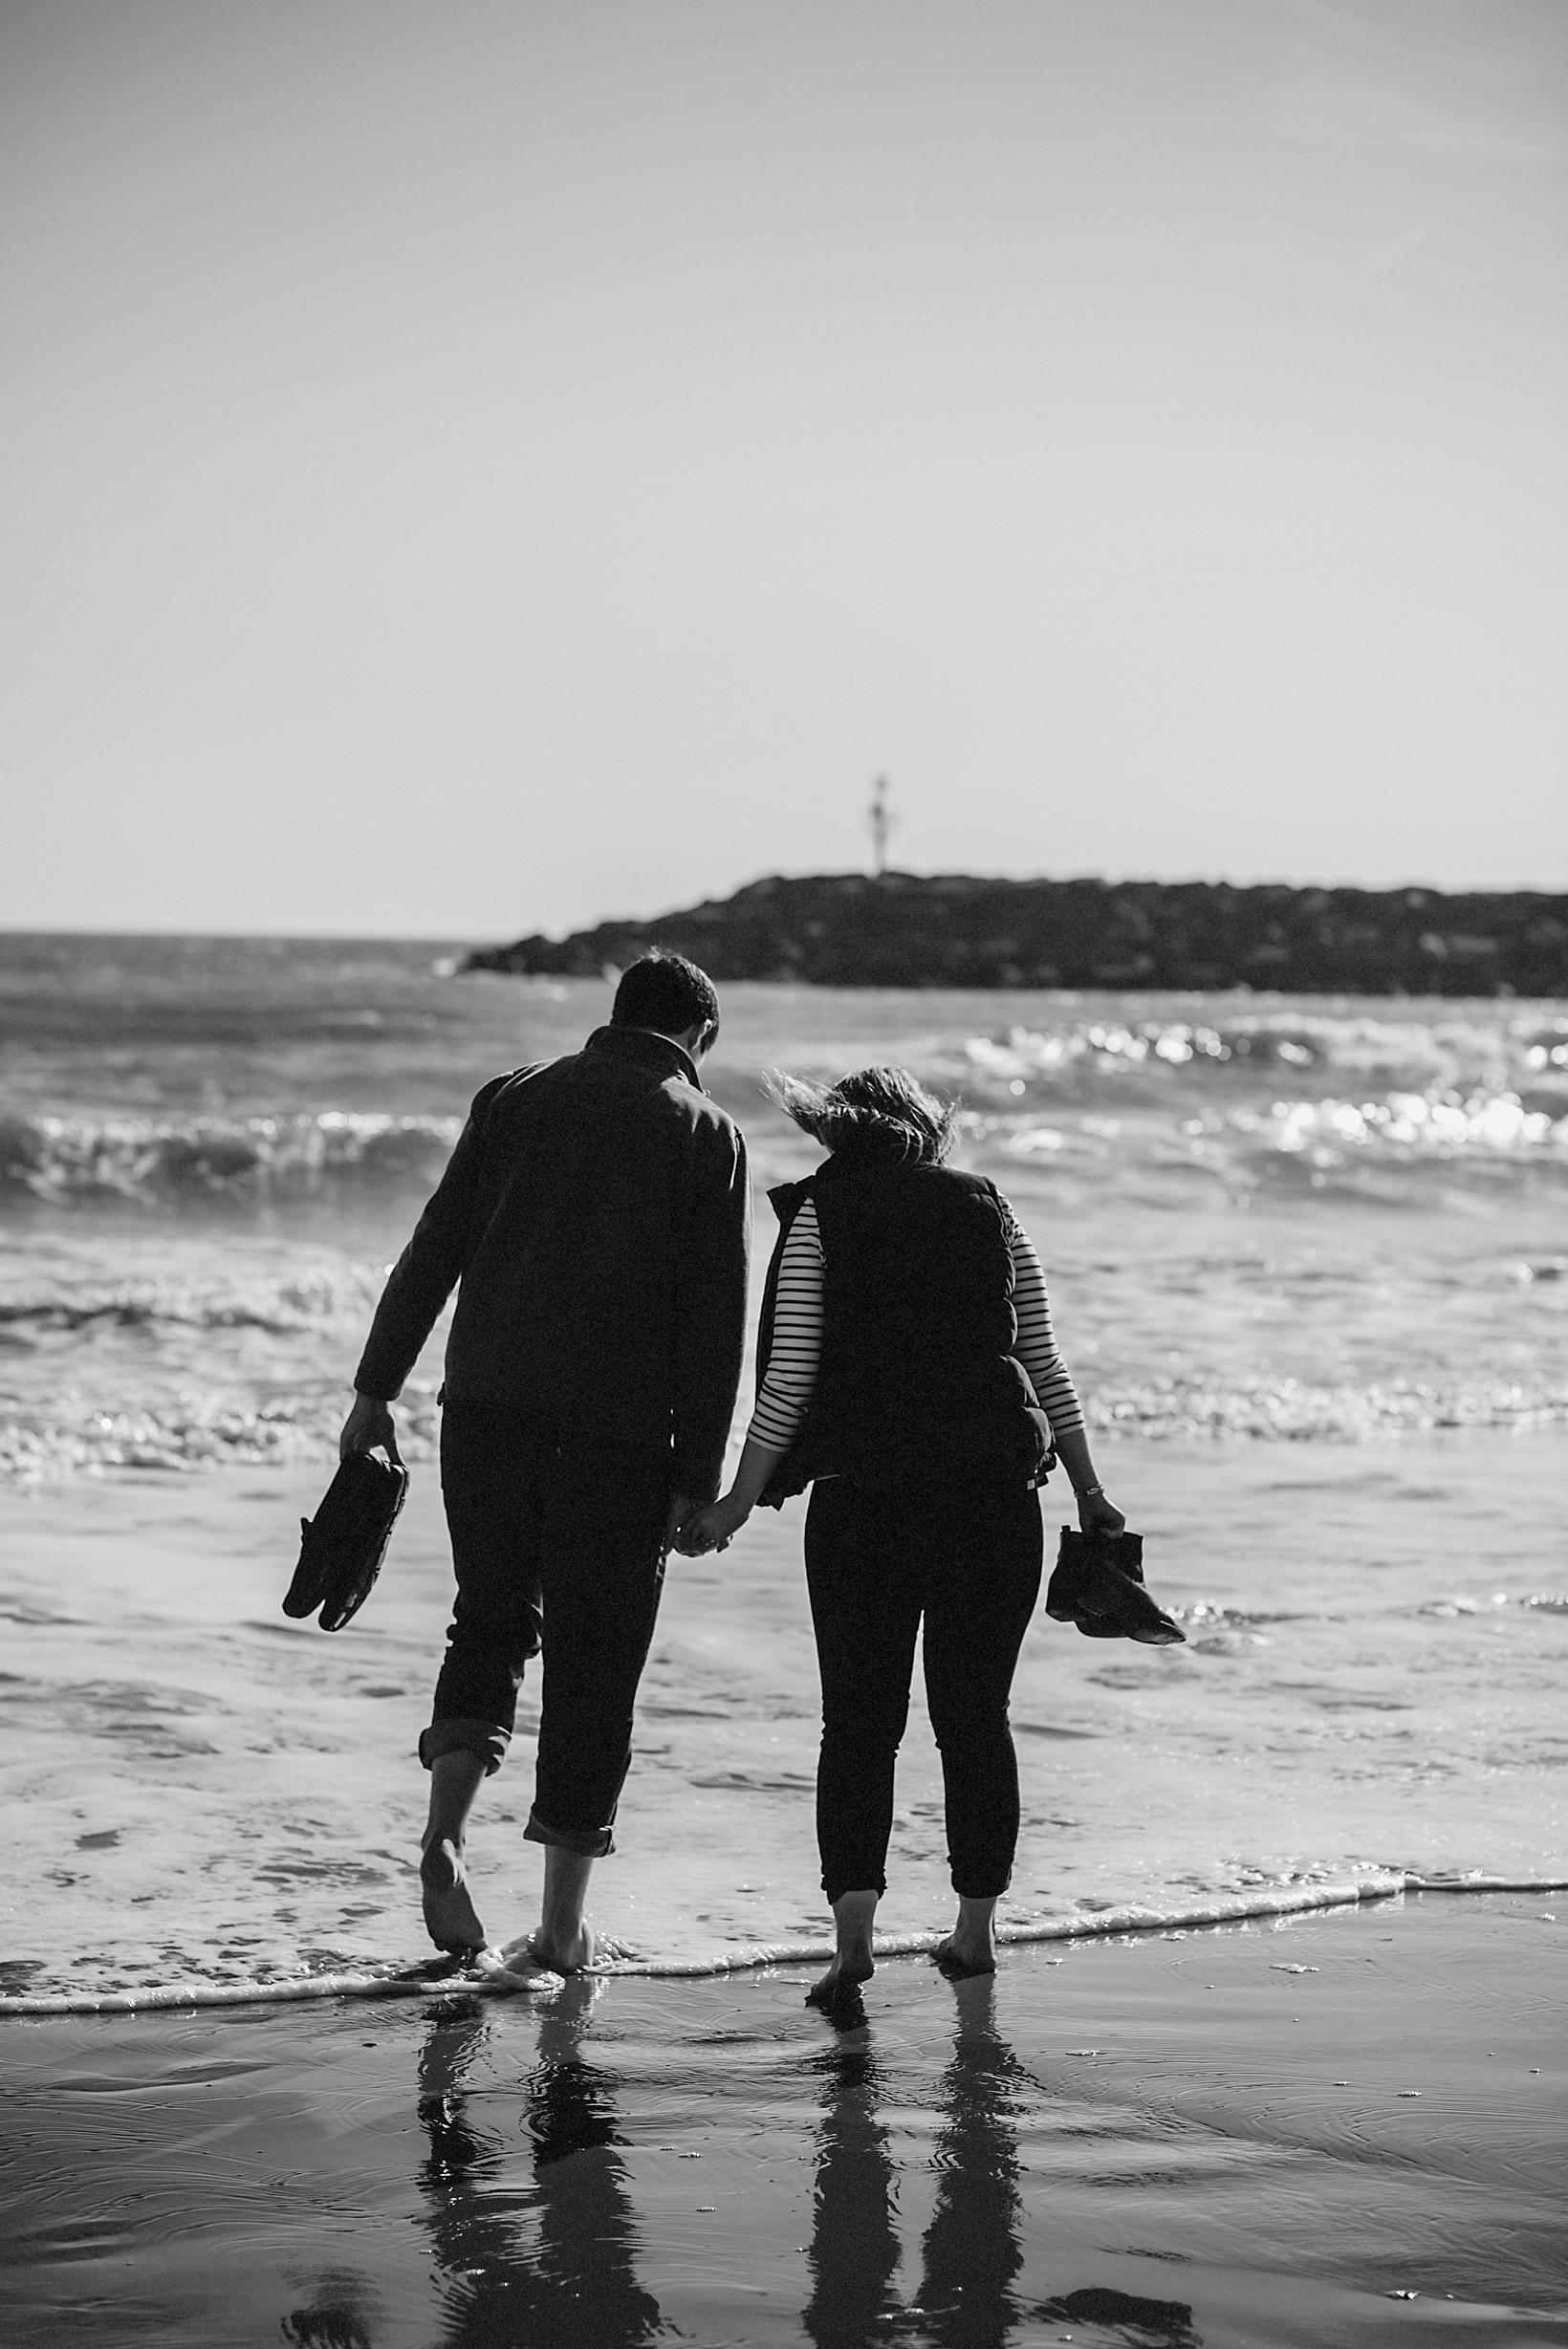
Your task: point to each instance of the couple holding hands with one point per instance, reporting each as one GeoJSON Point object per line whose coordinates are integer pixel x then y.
{"type": "Point", "coordinates": [594, 1219]}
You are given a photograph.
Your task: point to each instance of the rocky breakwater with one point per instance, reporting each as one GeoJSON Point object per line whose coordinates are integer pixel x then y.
{"type": "Point", "coordinates": [952, 929]}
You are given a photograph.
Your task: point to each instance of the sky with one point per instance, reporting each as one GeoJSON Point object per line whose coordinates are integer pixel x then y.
{"type": "Point", "coordinates": [478, 466]}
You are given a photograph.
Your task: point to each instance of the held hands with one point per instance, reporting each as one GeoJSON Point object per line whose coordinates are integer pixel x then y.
{"type": "Point", "coordinates": [686, 1514]}
{"type": "Point", "coordinates": [712, 1528]}
{"type": "Point", "coordinates": [715, 1526]}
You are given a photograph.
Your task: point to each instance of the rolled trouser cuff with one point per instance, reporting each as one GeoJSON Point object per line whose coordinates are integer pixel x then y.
{"type": "Point", "coordinates": [588, 1843]}
{"type": "Point", "coordinates": [873, 1880]}
{"type": "Point", "coordinates": [466, 1733]}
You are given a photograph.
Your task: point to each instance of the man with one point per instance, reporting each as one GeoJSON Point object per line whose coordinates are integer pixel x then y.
{"type": "Point", "coordinates": [595, 1214]}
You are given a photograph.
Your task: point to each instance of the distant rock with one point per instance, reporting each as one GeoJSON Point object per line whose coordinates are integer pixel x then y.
{"type": "Point", "coordinates": [950, 929]}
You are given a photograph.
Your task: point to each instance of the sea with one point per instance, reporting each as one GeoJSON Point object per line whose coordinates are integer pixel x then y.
{"type": "Point", "coordinates": [1308, 1261]}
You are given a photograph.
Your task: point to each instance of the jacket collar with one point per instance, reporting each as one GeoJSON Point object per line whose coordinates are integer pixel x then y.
{"type": "Point", "coordinates": [649, 1050]}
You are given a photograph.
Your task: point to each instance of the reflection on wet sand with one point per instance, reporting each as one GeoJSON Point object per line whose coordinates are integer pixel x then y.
{"type": "Point", "coordinates": [544, 2250]}
{"type": "Point", "coordinates": [337, 2316]}
{"type": "Point", "coordinates": [548, 2261]}
{"type": "Point", "coordinates": [971, 2252]}
{"type": "Point", "coordinates": [854, 2251]}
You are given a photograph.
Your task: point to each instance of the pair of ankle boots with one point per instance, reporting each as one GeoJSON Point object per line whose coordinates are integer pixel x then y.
{"type": "Point", "coordinates": [1097, 1583]}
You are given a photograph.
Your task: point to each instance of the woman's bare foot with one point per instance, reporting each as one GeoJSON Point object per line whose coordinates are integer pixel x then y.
{"type": "Point", "coordinates": [958, 1963]}
{"type": "Point", "coordinates": [450, 1918]}
{"type": "Point", "coordinates": [971, 1948]}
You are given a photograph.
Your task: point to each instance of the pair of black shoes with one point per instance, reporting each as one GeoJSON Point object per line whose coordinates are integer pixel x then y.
{"type": "Point", "coordinates": [343, 1546]}
{"type": "Point", "coordinates": [1099, 1584]}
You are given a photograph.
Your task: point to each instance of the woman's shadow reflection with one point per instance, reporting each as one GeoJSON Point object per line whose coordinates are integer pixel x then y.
{"type": "Point", "coordinates": [544, 2256]}
{"type": "Point", "coordinates": [970, 2255]}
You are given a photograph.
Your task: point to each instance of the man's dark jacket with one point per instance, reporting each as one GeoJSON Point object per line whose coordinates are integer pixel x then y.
{"type": "Point", "coordinates": [596, 1211]}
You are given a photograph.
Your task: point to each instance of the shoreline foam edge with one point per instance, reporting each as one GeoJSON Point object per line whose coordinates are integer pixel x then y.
{"type": "Point", "coordinates": [450, 1981]}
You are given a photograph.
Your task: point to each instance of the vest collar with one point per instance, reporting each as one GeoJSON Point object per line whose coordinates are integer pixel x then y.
{"type": "Point", "coordinates": [870, 1159]}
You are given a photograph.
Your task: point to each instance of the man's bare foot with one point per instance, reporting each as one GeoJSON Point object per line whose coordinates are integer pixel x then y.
{"type": "Point", "coordinates": [514, 1968]}
{"type": "Point", "coordinates": [575, 1953]}
{"type": "Point", "coordinates": [450, 1918]}
{"type": "Point", "coordinates": [958, 1958]}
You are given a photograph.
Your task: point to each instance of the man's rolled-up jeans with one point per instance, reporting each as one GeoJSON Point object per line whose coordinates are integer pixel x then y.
{"type": "Point", "coordinates": [555, 1545]}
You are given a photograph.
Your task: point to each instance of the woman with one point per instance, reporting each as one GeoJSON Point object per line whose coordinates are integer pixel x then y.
{"type": "Point", "coordinates": [908, 1371]}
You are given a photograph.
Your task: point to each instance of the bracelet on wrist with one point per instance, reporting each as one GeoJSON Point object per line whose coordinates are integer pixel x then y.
{"type": "Point", "coordinates": [1089, 1492]}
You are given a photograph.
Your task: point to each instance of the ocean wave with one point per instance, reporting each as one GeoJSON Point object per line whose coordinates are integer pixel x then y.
{"type": "Point", "coordinates": [1463, 1099]}
{"type": "Point", "coordinates": [1527, 1049]}
{"type": "Point", "coordinates": [1236, 1088]}
{"type": "Point", "coordinates": [51, 1441]}
{"type": "Point", "coordinates": [1294, 1411]}
{"type": "Point", "coordinates": [1409, 1091]}
{"type": "Point", "coordinates": [282, 1306]}
{"type": "Point", "coordinates": [42, 1445]}
{"type": "Point", "coordinates": [156, 1161]}
{"type": "Point", "coordinates": [1403, 1128]}
{"type": "Point", "coordinates": [1323, 1144]}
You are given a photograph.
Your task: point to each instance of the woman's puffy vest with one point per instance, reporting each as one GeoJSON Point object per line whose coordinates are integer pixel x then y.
{"type": "Point", "coordinates": [917, 1382]}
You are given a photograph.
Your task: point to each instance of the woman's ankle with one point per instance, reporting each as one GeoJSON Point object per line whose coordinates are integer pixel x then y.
{"type": "Point", "coordinates": [976, 1920]}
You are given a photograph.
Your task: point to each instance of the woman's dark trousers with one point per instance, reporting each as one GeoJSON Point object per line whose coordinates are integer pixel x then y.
{"type": "Point", "coordinates": [556, 1542]}
{"type": "Point", "coordinates": [969, 1561]}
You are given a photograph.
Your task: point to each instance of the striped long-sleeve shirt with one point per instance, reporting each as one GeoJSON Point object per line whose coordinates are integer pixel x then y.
{"type": "Point", "coordinates": [798, 1335]}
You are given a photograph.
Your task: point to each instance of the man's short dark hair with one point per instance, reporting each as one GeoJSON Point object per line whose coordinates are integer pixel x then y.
{"type": "Point", "coordinates": [667, 992]}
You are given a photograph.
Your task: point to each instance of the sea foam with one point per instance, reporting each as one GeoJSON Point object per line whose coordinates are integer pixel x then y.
{"type": "Point", "coordinates": [427, 1977]}
{"type": "Point", "coordinates": [165, 1160]}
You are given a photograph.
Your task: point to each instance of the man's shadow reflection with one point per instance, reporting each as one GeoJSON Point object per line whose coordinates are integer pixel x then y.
{"type": "Point", "coordinates": [545, 2256]}
{"type": "Point", "coordinates": [970, 2255]}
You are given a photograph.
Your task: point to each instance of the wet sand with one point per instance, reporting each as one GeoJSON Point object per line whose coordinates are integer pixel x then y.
{"type": "Point", "coordinates": [1244, 2134]}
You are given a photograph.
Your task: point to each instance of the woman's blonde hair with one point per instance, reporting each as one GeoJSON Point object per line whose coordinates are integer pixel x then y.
{"type": "Point", "coordinates": [882, 1111]}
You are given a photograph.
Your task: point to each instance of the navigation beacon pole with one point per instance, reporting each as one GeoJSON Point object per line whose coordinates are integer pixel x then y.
{"type": "Point", "coordinates": [882, 820]}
